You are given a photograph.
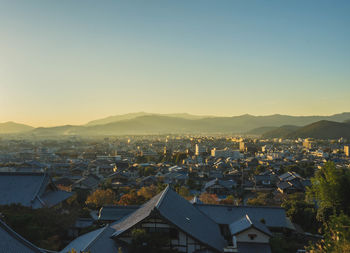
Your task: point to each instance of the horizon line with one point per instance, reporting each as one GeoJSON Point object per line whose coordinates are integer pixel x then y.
{"type": "Point", "coordinates": [169, 114]}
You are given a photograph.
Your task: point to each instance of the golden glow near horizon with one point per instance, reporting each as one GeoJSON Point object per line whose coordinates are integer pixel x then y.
{"type": "Point", "coordinates": [58, 65]}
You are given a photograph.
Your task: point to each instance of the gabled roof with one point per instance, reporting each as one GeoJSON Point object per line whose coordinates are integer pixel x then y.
{"type": "Point", "coordinates": [97, 241]}
{"type": "Point", "coordinates": [224, 183]}
{"type": "Point", "coordinates": [12, 242]}
{"type": "Point", "coordinates": [89, 181]}
{"type": "Point", "coordinates": [180, 213]}
{"type": "Point", "coordinates": [29, 189]}
{"type": "Point", "coordinates": [245, 223]}
{"type": "Point", "coordinates": [115, 213]}
{"type": "Point", "coordinates": [275, 217]}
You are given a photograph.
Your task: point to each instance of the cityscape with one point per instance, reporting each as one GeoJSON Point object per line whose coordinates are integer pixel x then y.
{"type": "Point", "coordinates": [174, 126]}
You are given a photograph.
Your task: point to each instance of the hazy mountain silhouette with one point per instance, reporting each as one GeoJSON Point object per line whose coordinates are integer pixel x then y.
{"type": "Point", "coordinates": [144, 123]}
{"type": "Point", "coordinates": [117, 118]}
{"type": "Point", "coordinates": [12, 127]}
{"type": "Point", "coordinates": [323, 129]}
{"type": "Point", "coordinates": [280, 132]}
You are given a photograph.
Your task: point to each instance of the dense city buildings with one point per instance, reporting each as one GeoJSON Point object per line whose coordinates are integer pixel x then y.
{"type": "Point", "coordinates": [194, 193]}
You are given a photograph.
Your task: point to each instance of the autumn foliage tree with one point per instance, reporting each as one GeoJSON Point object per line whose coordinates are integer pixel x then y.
{"type": "Point", "coordinates": [148, 192]}
{"type": "Point", "coordinates": [229, 200]}
{"type": "Point", "coordinates": [208, 198]}
{"type": "Point", "coordinates": [131, 198]}
{"type": "Point", "coordinates": [134, 197]}
{"type": "Point", "coordinates": [100, 198]}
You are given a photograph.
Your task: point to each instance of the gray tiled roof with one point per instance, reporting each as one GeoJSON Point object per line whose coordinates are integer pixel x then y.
{"type": "Point", "coordinates": [115, 213]}
{"type": "Point", "coordinates": [275, 217]}
{"type": "Point", "coordinates": [97, 241]}
{"type": "Point", "coordinates": [245, 223]}
{"type": "Point", "coordinates": [12, 242]}
{"type": "Point", "coordinates": [180, 213]}
{"type": "Point", "coordinates": [224, 183]}
{"type": "Point", "coordinates": [29, 189]}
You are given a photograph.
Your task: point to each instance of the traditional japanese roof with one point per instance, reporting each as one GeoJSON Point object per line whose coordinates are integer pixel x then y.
{"type": "Point", "coordinates": [245, 223]}
{"type": "Point", "coordinates": [34, 190]}
{"type": "Point", "coordinates": [224, 183]}
{"type": "Point", "coordinates": [97, 241]}
{"type": "Point", "coordinates": [275, 217]}
{"type": "Point", "coordinates": [115, 213]}
{"type": "Point", "coordinates": [288, 176]}
{"type": "Point", "coordinates": [12, 242]}
{"type": "Point", "coordinates": [180, 213]}
{"type": "Point", "coordinates": [90, 181]}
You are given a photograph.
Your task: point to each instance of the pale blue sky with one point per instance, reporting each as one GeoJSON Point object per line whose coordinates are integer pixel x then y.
{"type": "Point", "coordinates": [72, 61]}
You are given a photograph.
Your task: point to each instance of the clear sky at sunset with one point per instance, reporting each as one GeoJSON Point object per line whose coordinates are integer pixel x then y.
{"type": "Point", "coordinates": [68, 62]}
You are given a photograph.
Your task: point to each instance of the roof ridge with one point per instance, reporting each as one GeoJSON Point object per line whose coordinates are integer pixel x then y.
{"type": "Point", "coordinates": [240, 206]}
{"type": "Point", "coordinates": [249, 220]}
{"type": "Point", "coordinates": [96, 237]}
{"type": "Point", "coordinates": [39, 188]}
{"type": "Point", "coordinates": [159, 202]}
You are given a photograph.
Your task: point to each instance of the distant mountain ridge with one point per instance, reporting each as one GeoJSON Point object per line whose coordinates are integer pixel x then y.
{"type": "Point", "coordinates": [117, 118]}
{"type": "Point", "coordinates": [323, 129]}
{"type": "Point", "coordinates": [149, 123]}
{"type": "Point", "coordinates": [13, 127]}
{"type": "Point", "coordinates": [280, 132]}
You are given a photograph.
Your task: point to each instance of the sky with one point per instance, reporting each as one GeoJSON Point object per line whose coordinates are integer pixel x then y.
{"type": "Point", "coordinates": [69, 62]}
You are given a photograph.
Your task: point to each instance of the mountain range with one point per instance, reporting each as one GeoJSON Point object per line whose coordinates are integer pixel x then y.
{"type": "Point", "coordinates": [12, 128]}
{"type": "Point", "coordinates": [323, 129]}
{"type": "Point", "coordinates": [148, 123]}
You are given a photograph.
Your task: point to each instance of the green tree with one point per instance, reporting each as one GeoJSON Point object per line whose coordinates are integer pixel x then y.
{"type": "Point", "coordinates": [336, 236]}
{"type": "Point", "coordinates": [301, 212]}
{"type": "Point", "coordinates": [330, 188]}
{"type": "Point", "coordinates": [262, 199]}
{"type": "Point", "coordinates": [44, 227]}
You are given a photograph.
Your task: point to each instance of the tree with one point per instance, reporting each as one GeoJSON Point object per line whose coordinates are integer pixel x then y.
{"type": "Point", "coordinates": [301, 212]}
{"type": "Point", "coordinates": [184, 192]}
{"type": "Point", "coordinates": [131, 198]}
{"type": "Point", "coordinates": [44, 227]}
{"type": "Point", "coordinates": [100, 198]}
{"type": "Point", "coordinates": [208, 198]}
{"type": "Point", "coordinates": [330, 188]}
{"type": "Point", "coordinates": [148, 192]}
{"type": "Point", "coordinates": [262, 199]}
{"type": "Point", "coordinates": [336, 236]}
{"type": "Point", "coordinates": [230, 200]}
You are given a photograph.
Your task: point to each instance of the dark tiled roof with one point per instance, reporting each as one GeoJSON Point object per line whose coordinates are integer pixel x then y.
{"type": "Point", "coordinates": [12, 242]}
{"type": "Point", "coordinates": [245, 223]}
{"type": "Point", "coordinates": [115, 213]}
{"type": "Point", "coordinates": [29, 189]}
{"type": "Point", "coordinates": [224, 183]}
{"type": "Point", "coordinates": [97, 241]}
{"type": "Point", "coordinates": [275, 217]}
{"type": "Point", "coordinates": [180, 213]}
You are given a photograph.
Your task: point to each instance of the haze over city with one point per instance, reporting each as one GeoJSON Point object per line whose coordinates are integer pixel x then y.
{"type": "Point", "coordinates": [174, 126]}
{"type": "Point", "coordinates": [65, 62]}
